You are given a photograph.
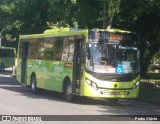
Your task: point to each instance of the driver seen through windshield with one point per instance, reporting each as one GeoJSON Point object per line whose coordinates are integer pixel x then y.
{"type": "Point", "coordinates": [105, 57]}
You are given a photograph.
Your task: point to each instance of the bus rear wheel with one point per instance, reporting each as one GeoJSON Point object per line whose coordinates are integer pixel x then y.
{"type": "Point", "coordinates": [67, 94]}
{"type": "Point", "coordinates": [33, 84]}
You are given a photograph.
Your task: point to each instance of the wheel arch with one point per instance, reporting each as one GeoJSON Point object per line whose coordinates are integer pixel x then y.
{"type": "Point", "coordinates": [65, 82]}
{"type": "Point", "coordinates": [32, 74]}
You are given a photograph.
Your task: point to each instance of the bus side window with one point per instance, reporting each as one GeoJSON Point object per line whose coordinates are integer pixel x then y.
{"type": "Point", "coordinates": [68, 49]}
{"type": "Point", "coordinates": [45, 49]}
{"type": "Point", "coordinates": [33, 50]}
{"type": "Point", "coordinates": [57, 48]}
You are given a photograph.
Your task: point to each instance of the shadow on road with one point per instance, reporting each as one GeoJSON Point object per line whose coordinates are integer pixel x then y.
{"type": "Point", "coordinates": [10, 83]}
{"type": "Point", "coordinates": [124, 107]}
{"type": "Point", "coordinates": [7, 72]}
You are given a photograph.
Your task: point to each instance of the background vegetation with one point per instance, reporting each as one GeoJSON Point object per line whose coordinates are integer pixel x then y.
{"type": "Point", "coordinates": [34, 16]}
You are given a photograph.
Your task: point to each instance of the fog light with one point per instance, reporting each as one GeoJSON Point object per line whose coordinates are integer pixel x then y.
{"type": "Point", "coordinates": [94, 85]}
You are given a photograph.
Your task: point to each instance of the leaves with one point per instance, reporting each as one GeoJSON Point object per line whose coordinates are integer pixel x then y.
{"type": "Point", "coordinates": [35, 16]}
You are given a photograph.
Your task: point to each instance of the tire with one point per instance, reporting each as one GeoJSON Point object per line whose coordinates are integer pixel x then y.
{"type": "Point", "coordinates": [33, 84]}
{"type": "Point", "coordinates": [67, 94]}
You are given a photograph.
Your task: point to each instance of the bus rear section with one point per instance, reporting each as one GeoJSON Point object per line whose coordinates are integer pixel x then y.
{"type": "Point", "coordinates": [51, 62]}
{"type": "Point", "coordinates": [7, 57]}
{"type": "Point", "coordinates": [112, 65]}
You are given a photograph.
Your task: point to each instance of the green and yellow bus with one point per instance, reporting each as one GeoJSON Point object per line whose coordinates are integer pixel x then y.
{"type": "Point", "coordinates": [93, 63]}
{"type": "Point", "coordinates": [7, 57]}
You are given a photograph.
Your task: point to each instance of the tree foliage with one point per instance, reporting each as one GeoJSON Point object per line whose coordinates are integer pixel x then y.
{"type": "Point", "coordinates": [143, 17]}
{"type": "Point", "coordinates": [34, 16]}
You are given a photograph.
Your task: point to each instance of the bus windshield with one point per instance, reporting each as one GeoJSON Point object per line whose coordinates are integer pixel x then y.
{"type": "Point", "coordinates": [7, 52]}
{"type": "Point", "coordinates": [107, 57]}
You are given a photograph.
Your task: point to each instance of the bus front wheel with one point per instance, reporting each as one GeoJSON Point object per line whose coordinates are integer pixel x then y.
{"type": "Point", "coordinates": [33, 84]}
{"type": "Point", "coordinates": [68, 92]}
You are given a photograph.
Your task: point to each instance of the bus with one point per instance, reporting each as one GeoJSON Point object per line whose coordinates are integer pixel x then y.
{"type": "Point", "coordinates": [7, 57]}
{"type": "Point", "coordinates": [93, 63]}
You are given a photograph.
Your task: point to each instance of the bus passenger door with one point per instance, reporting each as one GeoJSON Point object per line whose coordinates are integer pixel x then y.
{"type": "Point", "coordinates": [23, 63]}
{"type": "Point", "coordinates": [77, 66]}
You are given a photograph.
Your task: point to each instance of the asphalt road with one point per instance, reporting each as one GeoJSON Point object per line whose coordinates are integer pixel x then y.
{"type": "Point", "coordinates": [18, 100]}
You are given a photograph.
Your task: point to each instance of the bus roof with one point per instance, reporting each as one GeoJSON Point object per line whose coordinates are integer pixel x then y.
{"type": "Point", "coordinates": [77, 29]}
{"type": "Point", "coordinates": [112, 30]}
{"type": "Point", "coordinates": [57, 33]}
{"type": "Point", "coordinates": [68, 32]}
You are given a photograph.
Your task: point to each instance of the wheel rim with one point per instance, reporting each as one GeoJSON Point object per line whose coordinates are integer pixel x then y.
{"type": "Point", "coordinates": [68, 93]}
{"type": "Point", "coordinates": [68, 90]}
{"type": "Point", "coordinates": [33, 85]}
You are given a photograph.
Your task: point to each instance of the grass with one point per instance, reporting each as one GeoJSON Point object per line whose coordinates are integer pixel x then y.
{"type": "Point", "coordinates": [150, 89]}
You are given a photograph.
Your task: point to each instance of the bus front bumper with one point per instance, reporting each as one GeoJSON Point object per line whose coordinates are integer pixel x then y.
{"type": "Point", "coordinates": [92, 91]}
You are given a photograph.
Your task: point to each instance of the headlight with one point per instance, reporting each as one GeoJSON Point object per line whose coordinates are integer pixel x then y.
{"type": "Point", "coordinates": [92, 84]}
{"type": "Point", "coordinates": [88, 82]}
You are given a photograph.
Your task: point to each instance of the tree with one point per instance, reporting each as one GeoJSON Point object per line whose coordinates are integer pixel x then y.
{"type": "Point", "coordinates": [111, 7]}
{"type": "Point", "coordinates": [34, 16]}
{"type": "Point", "coordinates": [143, 17]}
{"type": "Point", "coordinates": [29, 18]}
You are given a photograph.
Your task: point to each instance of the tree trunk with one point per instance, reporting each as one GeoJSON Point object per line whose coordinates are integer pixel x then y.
{"type": "Point", "coordinates": [104, 15]}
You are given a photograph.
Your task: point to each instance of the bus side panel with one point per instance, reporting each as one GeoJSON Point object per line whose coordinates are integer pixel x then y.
{"type": "Point", "coordinates": [35, 67]}
{"type": "Point", "coordinates": [49, 74]}
{"type": "Point", "coordinates": [18, 70]}
{"type": "Point", "coordinates": [53, 75]}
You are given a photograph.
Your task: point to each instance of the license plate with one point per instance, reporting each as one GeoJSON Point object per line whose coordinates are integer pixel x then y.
{"type": "Point", "coordinates": [115, 93]}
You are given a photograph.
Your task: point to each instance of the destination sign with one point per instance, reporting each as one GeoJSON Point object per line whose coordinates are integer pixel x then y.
{"type": "Point", "coordinates": [95, 36]}
{"type": "Point", "coordinates": [115, 36]}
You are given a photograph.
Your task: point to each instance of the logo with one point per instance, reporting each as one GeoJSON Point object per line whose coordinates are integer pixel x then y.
{"type": "Point", "coordinates": [18, 118]}
{"type": "Point", "coordinates": [6, 118]}
{"type": "Point", "coordinates": [119, 69]}
{"type": "Point", "coordinates": [115, 85]}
